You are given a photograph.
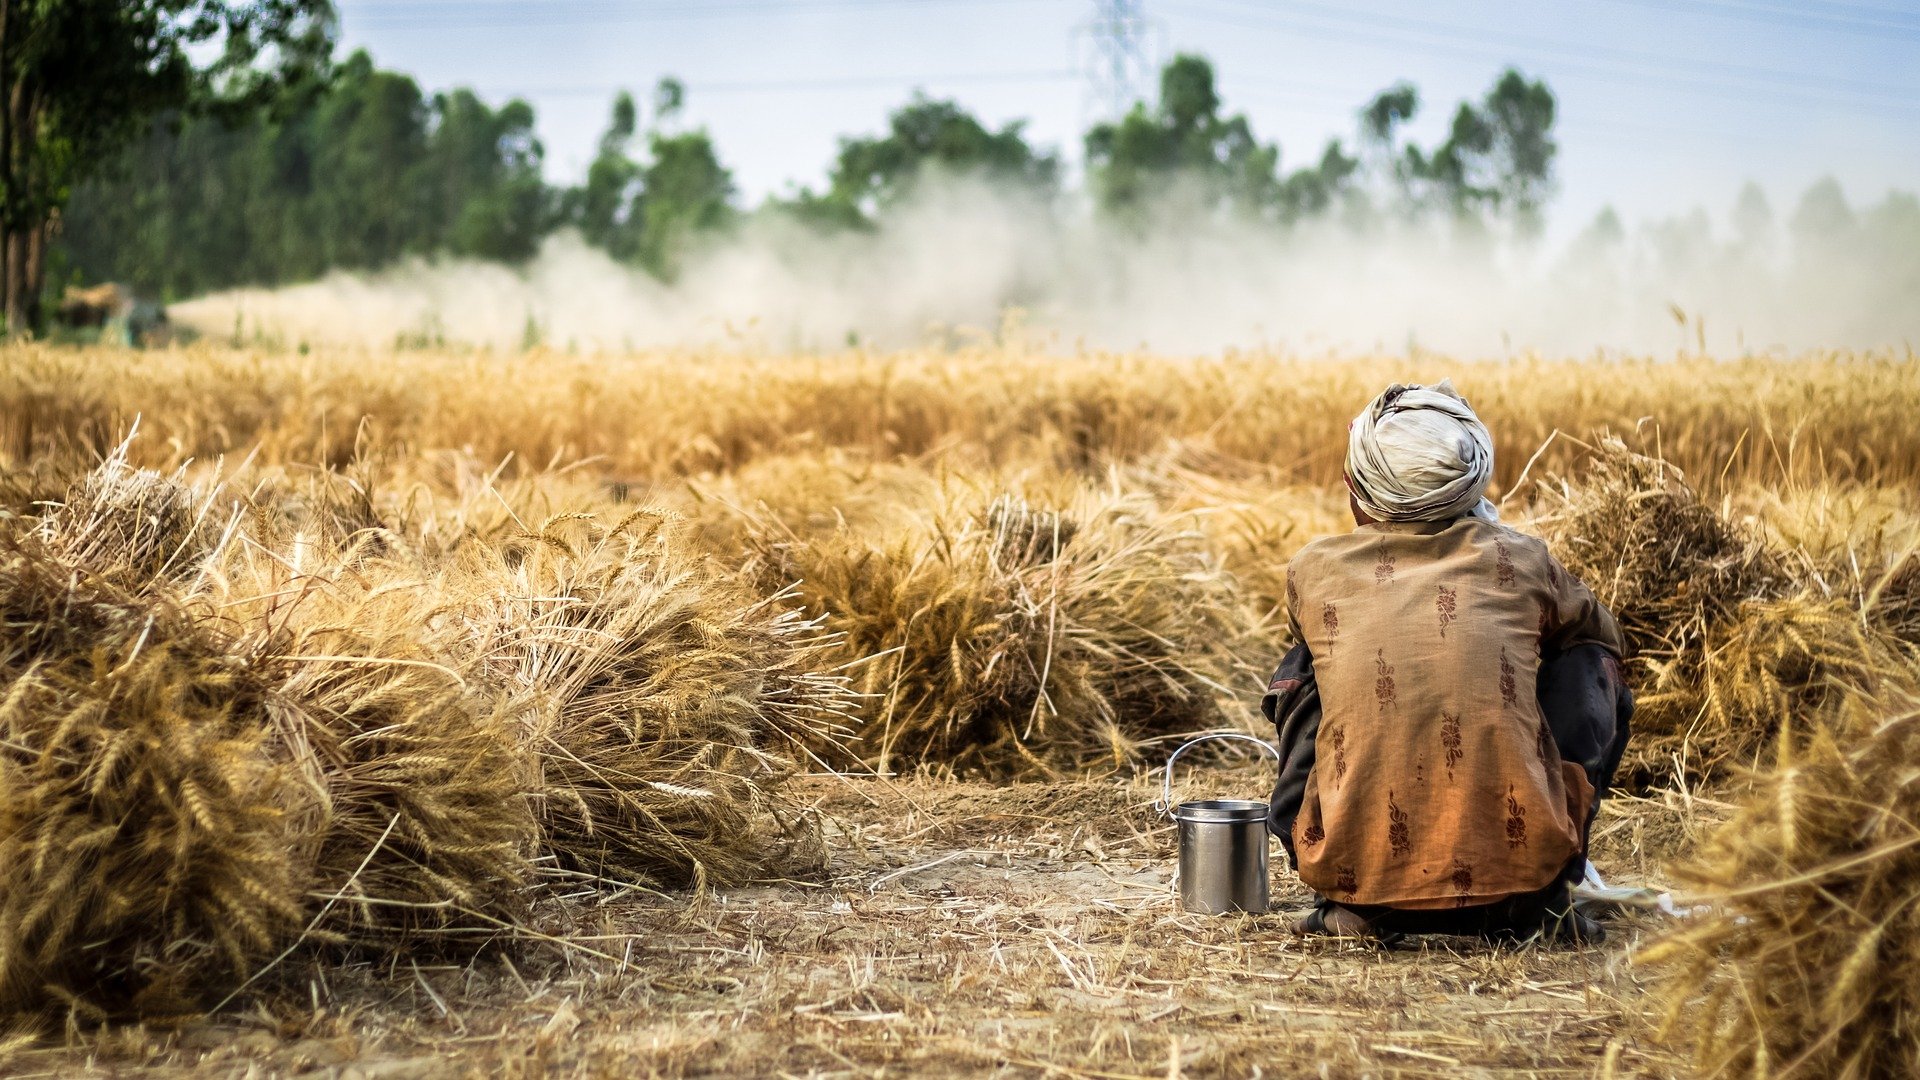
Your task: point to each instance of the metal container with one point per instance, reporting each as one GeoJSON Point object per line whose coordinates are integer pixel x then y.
{"type": "Point", "coordinates": [1223, 845]}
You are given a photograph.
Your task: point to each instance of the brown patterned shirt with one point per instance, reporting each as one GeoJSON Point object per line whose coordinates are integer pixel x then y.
{"type": "Point", "coordinates": [1437, 782]}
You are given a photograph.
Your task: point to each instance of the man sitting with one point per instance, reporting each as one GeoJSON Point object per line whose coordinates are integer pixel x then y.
{"type": "Point", "coordinates": [1454, 708]}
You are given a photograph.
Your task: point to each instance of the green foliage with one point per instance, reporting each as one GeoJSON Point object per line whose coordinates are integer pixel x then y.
{"type": "Point", "coordinates": [1497, 157]}
{"type": "Point", "coordinates": [91, 71]}
{"type": "Point", "coordinates": [1184, 139]}
{"type": "Point", "coordinates": [925, 137]}
{"type": "Point", "coordinates": [484, 166]}
{"type": "Point", "coordinates": [601, 207]}
{"type": "Point", "coordinates": [81, 77]}
{"type": "Point", "coordinates": [357, 168]}
{"type": "Point", "coordinates": [1185, 147]}
{"type": "Point", "coordinates": [354, 173]}
{"type": "Point", "coordinates": [1387, 111]}
{"type": "Point", "coordinates": [1318, 189]}
{"type": "Point", "coordinates": [648, 212]}
{"type": "Point", "coordinates": [684, 191]}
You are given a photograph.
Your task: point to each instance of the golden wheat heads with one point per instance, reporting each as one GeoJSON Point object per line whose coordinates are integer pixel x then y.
{"type": "Point", "coordinates": [1808, 964]}
{"type": "Point", "coordinates": [1729, 638]}
{"type": "Point", "coordinates": [660, 704]}
{"type": "Point", "coordinates": [1004, 637]}
{"type": "Point", "coordinates": [144, 822]}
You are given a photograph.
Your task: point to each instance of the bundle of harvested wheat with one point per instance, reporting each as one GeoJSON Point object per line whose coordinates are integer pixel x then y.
{"type": "Point", "coordinates": [1893, 600]}
{"type": "Point", "coordinates": [1809, 962]}
{"type": "Point", "coordinates": [1256, 516]}
{"type": "Point", "coordinates": [426, 822]}
{"type": "Point", "coordinates": [662, 704]}
{"type": "Point", "coordinates": [1728, 642]}
{"type": "Point", "coordinates": [1663, 560]}
{"type": "Point", "coordinates": [1772, 661]}
{"type": "Point", "coordinates": [1021, 640]}
{"type": "Point", "coordinates": [151, 525]}
{"type": "Point", "coordinates": [146, 827]}
{"type": "Point", "coordinates": [1862, 543]}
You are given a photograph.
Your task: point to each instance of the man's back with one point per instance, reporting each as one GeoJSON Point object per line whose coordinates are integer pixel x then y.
{"type": "Point", "coordinates": [1437, 782]}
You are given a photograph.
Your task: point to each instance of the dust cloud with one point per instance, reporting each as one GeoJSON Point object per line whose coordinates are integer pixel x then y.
{"type": "Point", "coordinates": [959, 261]}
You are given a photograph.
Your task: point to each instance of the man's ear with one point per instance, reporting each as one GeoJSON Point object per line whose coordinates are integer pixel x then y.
{"type": "Point", "coordinates": [1360, 517]}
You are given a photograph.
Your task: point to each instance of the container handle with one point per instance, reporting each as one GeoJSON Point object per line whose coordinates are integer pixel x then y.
{"type": "Point", "coordinates": [1165, 802]}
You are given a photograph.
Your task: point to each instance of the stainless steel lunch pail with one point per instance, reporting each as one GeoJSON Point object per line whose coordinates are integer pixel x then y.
{"type": "Point", "coordinates": [1223, 845]}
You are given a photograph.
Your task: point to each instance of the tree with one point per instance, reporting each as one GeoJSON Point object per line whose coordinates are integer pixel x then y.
{"type": "Point", "coordinates": [1752, 216]}
{"type": "Point", "coordinates": [1753, 224]}
{"type": "Point", "coordinates": [84, 77]}
{"type": "Point", "coordinates": [684, 191]}
{"type": "Point", "coordinates": [350, 172]}
{"type": "Point", "coordinates": [1605, 232]}
{"type": "Point", "coordinates": [1317, 188]}
{"type": "Point", "coordinates": [648, 212]}
{"type": "Point", "coordinates": [1890, 252]}
{"type": "Point", "coordinates": [669, 97]}
{"type": "Point", "coordinates": [1185, 144]}
{"type": "Point", "coordinates": [482, 174]}
{"type": "Point", "coordinates": [1392, 107]}
{"type": "Point", "coordinates": [368, 149]}
{"type": "Point", "coordinates": [601, 207]}
{"type": "Point", "coordinates": [1498, 155]}
{"type": "Point", "coordinates": [923, 137]}
{"type": "Point", "coordinates": [1823, 220]}
{"type": "Point", "coordinates": [1183, 138]}
{"type": "Point", "coordinates": [1521, 114]}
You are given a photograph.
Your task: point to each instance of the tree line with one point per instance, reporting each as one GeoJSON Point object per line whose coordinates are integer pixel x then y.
{"type": "Point", "coordinates": [80, 78]}
{"type": "Point", "coordinates": [183, 146]}
{"type": "Point", "coordinates": [279, 163]}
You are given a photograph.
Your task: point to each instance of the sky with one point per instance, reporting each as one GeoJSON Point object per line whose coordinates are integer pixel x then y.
{"type": "Point", "coordinates": [1665, 105]}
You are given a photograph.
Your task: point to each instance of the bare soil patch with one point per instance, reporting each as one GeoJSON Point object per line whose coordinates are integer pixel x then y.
{"type": "Point", "coordinates": [957, 929]}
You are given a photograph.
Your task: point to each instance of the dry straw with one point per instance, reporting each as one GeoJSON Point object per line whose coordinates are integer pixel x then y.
{"type": "Point", "coordinates": [1014, 639]}
{"type": "Point", "coordinates": [1809, 963]}
{"type": "Point", "coordinates": [310, 744]}
{"type": "Point", "coordinates": [379, 699]}
{"type": "Point", "coordinates": [661, 706]}
{"type": "Point", "coordinates": [142, 524]}
{"type": "Point", "coordinates": [1729, 637]}
{"type": "Point", "coordinates": [144, 820]}
{"type": "Point", "coordinates": [427, 824]}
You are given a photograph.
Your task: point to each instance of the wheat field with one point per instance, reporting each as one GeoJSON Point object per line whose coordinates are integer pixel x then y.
{"type": "Point", "coordinates": [704, 714]}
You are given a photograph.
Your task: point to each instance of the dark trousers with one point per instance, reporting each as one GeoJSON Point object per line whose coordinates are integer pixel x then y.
{"type": "Point", "coordinates": [1589, 710]}
{"type": "Point", "coordinates": [1515, 916]}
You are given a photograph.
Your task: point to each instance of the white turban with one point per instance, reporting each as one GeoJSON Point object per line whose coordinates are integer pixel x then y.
{"type": "Point", "coordinates": [1418, 453]}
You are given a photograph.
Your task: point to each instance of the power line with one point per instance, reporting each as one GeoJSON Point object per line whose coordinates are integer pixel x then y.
{"type": "Point", "coordinates": [446, 15]}
{"type": "Point", "coordinates": [794, 84]}
{"type": "Point", "coordinates": [1807, 15]}
{"type": "Point", "coordinates": [1313, 20]}
{"type": "Point", "coordinates": [1586, 50]}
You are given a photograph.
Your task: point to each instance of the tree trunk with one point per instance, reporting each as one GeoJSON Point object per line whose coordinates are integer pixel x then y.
{"type": "Point", "coordinates": [16, 306]}
{"type": "Point", "coordinates": [9, 169]}
{"type": "Point", "coordinates": [23, 224]}
{"type": "Point", "coordinates": [36, 276]}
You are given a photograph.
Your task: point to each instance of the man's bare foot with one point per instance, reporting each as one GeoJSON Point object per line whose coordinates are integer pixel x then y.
{"type": "Point", "coordinates": [1573, 928]}
{"type": "Point", "coordinates": [1333, 920]}
{"type": "Point", "coordinates": [1564, 929]}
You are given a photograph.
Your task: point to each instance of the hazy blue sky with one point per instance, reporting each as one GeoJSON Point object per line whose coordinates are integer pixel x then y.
{"type": "Point", "coordinates": [1664, 105]}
